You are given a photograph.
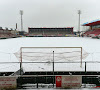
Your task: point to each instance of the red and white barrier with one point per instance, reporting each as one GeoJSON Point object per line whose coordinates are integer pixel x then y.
{"type": "Point", "coordinates": [68, 81]}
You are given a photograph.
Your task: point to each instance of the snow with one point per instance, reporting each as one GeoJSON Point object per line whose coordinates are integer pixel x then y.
{"type": "Point", "coordinates": [9, 46]}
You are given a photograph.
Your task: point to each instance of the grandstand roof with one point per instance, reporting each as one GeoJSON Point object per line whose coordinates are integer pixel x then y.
{"type": "Point", "coordinates": [92, 23]}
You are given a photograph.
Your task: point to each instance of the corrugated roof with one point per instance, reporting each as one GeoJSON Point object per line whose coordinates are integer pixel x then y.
{"type": "Point", "coordinates": [92, 23]}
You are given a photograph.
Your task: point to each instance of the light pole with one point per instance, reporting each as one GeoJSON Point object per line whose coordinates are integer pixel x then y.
{"type": "Point", "coordinates": [79, 12]}
{"type": "Point", "coordinates": [53, 69]}
{"type": "Point", "coordinates": [21, 13]}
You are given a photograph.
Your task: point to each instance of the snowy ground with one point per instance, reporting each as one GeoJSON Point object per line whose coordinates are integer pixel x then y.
{"type": "Point", "coordinates": [9, 46]}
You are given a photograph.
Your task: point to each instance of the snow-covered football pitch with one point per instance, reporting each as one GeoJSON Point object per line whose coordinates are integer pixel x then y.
{"type": "Point", "coordinates": [8, 48]}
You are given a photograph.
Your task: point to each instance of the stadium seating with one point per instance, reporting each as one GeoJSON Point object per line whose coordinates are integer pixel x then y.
{"type": "Point", "coordinates": [50, 33]}
{"type": "Point", "coordinates": [7, 36]}
{"type": "Point", "coordinates": [92, 33]}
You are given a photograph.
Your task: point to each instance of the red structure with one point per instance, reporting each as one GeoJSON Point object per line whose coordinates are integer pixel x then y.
{"type": "Point", "coordinates": [92, 23]}
{"type": "Point", "coordinates": [94, 30]}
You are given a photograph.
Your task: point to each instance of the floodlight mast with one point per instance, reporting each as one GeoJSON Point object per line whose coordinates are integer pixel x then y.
{"type": "Point", "coordinates": [21, 13]}
{"type": "Point", "coordinates": [79, 12]}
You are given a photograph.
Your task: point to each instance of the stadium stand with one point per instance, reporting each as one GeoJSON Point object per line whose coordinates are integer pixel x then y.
{"type": "Point", "coordinates": [5, 33]}
{"type": "Point", "coordinates": [94, 30]}
{"type": "Point", "coordinates": [50, 31]}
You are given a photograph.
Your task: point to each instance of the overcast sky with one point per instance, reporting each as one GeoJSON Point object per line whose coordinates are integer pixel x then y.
{"type": "Point", "coordinates": [47, 13]}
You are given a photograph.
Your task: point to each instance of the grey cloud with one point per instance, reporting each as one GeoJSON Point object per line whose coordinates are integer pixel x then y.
{"type": "Point", "coordinates": [47, 13]}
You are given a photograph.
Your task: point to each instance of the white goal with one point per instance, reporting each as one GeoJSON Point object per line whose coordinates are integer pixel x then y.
{"type": "Point", "coordinates": [51, 54]}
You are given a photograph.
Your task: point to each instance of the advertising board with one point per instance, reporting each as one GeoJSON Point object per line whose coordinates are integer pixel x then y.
{"type": "Point", "coordinates": [7, 82]}
{"type": "Point", "coordinates": [68, 81]}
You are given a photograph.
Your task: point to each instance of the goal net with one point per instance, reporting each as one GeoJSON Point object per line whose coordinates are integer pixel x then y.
{"type": "Point", "coordinates": [50, 54]}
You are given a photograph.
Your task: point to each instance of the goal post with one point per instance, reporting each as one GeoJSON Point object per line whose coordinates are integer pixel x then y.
{"type": "Point", "coordinates": [42, 54]}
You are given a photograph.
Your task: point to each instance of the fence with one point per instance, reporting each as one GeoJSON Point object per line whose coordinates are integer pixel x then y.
{"type": "Point", "coordinates": [45, 72]}
{"type": "Point", "coordinates": [89, 66]}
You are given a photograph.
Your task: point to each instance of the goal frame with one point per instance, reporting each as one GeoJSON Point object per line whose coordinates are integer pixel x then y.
{"type": "Point", "coordinates": [47, 47]}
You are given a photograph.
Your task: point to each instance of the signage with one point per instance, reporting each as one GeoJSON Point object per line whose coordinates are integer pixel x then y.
{"type": "Point", "coordinates": [68, 81]}
{"type": "Point", "coordinates": [7, 82]}
{"type": "Point", "coordinates": [58, 81]}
